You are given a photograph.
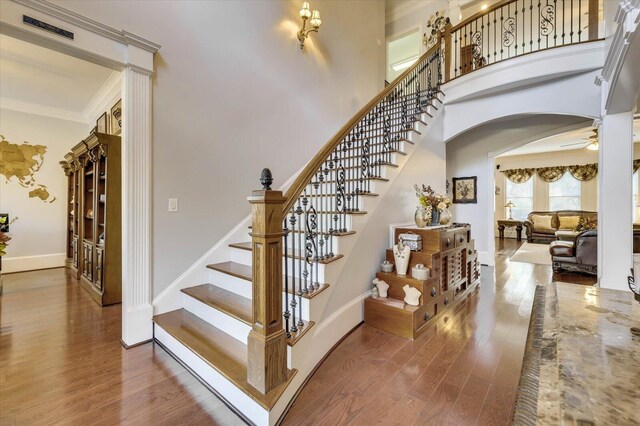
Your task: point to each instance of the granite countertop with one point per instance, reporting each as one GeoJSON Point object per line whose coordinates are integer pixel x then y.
{"type": "Point", "coordinates": [582, 364]}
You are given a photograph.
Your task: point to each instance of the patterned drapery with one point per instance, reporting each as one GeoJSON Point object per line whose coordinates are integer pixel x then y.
{"type": "Point", "coordinates": [519, 175]}
{"type": "Point", "coordinates": [582, 172]}
{"type": "Point", "coordinates": [585, 172]}
{"type": "Point", "coordinates": [551, 174]}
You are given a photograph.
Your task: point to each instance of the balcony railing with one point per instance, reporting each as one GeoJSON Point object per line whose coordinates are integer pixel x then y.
{"type": "Point", "coordinates": [513, 28]}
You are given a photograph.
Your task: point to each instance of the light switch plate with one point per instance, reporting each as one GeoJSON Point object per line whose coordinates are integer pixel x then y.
{"type": "Point", "coordinates": [173, 205]}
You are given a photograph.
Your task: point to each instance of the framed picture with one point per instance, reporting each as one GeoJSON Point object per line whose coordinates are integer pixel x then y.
{"type": "Point", "coordinates": [102, 125]}
{"type": "Point", "coordinates": [465, 190]}
{"type": "Point", "coordinates": [116, 118]}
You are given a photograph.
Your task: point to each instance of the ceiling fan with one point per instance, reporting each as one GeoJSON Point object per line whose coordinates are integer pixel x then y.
{"type": "Point", "coordinates": [591, 142]}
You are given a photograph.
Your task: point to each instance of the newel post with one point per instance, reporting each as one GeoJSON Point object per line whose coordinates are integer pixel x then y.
{"type": "Point", "coordinates": [447, 51]}
{"type": "Point", "coordinates": [267, 344]}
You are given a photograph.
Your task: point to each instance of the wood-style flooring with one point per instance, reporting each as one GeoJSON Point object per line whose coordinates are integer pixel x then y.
{"type": "Point", "coordinates": [61, 362]}
{"type": "Point", "coordinates": [464, 370]}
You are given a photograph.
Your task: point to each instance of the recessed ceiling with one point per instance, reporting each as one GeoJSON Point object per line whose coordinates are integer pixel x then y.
{"type": "Point", "coordinates": [564, 141]}
{"type": "Point", "coordinates": [43, 81]}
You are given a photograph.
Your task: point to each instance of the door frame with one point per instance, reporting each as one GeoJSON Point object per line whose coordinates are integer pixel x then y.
{"type": "Point", "coordinates": [396, 36]}
{"type": "Point", "coordinates": [133, 56]}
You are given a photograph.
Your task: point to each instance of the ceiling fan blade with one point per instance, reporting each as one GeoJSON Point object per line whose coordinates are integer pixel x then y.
{"type": "Point", "coordinates": [571, 144]}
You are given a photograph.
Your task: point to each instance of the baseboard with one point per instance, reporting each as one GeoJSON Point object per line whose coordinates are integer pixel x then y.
{"type": "Point", "coordinates": [32, 263]}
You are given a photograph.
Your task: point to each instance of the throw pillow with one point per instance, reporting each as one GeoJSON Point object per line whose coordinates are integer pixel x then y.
{"type": "Point", "coordinates": [568, 223]}
{"type": "Point", "coordinates": [541, 222]}
{"type": "Point", "coordinates": [587, 223]}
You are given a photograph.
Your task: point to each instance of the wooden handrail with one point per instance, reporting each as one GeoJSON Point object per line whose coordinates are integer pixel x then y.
{"type": "Point", "coordinates": [306, 175]}
{"type": "Point", "coordinates": [475, 16]}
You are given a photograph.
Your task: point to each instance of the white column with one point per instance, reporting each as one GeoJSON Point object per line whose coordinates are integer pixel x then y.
{"type": "Point", "coordinates": [137, 310]}
{"type": "Point", "coordinates": [615, 227]}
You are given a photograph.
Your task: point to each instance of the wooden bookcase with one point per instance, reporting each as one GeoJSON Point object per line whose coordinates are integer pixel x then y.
{"type": "Point", "coordinates": [94, 234]}
{"type": "Point", "coordinates": [450, 255]}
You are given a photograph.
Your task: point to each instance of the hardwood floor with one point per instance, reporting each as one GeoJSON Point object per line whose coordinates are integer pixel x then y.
{"type": "Point", "coordinates": [61, 362]}
{"type": "Point", "coordinates": [464, 370]}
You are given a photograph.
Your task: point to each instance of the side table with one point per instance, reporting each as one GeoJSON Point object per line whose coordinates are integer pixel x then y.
{"type": "Point", "coordinates": [507, 223]}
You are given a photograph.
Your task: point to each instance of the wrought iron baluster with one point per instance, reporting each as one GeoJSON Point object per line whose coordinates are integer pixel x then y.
{"type": "Point", "coordinates": [287, 314]}
{"type": "Point", "coordinates": [294, 303]}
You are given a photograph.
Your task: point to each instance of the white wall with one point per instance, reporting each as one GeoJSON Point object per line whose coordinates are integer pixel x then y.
{"type": "Point", "coordinates": [232, 94]}
{"type": "Point", "coordinates": [467, 155]}
{"type": "Point", "coordinates": [39, 236]}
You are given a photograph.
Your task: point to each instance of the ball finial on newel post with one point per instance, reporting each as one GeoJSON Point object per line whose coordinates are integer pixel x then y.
{"type": "Point", "coordinates": [266, 179]}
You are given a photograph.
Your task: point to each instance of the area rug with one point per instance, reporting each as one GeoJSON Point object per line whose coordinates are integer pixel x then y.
{"type": "Point", "coordinates": [532, 253]}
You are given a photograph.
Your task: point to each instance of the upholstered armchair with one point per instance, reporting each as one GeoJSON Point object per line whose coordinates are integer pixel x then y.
{"type": "Point", "coordinates": [579, 256]}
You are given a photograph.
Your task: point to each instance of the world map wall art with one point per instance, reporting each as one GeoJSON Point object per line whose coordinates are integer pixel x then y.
{"type": "Point", "coordinates": [21, 163]}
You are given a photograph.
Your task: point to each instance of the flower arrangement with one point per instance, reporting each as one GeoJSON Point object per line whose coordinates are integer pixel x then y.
{"type": "Point", "coordinates": [4, 236]}
{"type": "Point", "coordinates": [427, 197]}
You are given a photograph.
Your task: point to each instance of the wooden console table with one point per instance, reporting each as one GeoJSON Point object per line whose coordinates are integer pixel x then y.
{"type": "Point", "coordinates": [507, 223]}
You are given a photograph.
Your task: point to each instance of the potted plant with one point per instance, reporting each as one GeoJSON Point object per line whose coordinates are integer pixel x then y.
{"type": "Point", "coordinates": [4, 241]}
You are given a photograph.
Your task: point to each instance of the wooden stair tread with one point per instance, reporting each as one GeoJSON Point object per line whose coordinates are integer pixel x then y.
{"type": "Point", "coordinates": [389, 277]}
{"type": "Point", "coordinates": [244, 272]}
{"type": "Point", "coordinates": [248, 247]}
{"type": "Point", "coordinates": [223, 300]}
{"type": "Point", "coordinates": [381, 179]}
{"type": "Point", "coordinates": [361, 194]}
{"type": "Point", "coordinates": [219, 350]}
{"type": "Point", "coordinates": [236, 306]}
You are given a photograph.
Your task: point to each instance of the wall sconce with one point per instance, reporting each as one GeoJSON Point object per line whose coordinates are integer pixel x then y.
{"type": "Point", "coordinates": [315, 22]}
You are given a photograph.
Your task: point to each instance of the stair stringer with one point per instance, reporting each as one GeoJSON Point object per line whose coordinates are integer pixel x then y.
{"type": "Point", "coordinates": [336, 319]}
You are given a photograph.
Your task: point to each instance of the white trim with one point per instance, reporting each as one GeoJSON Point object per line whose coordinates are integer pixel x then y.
{"type": "Point", "coordinates": [95, 27]}
{"type": "Point", "coordinates": [406, 7]}
{"type": "Point", "coordinates": [343, 311]}
{"type": "Point", "coordinates": [111, 88]}
{"type": "Point", "coordinates": [42, 110]}
{"type": "Point", "coordinates": [32, 263]}
{"type": "Point", "coordinates": [119, 50]}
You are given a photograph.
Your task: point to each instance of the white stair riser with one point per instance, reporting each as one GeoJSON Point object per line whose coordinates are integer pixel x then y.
{"type": "Point", "coordinates": [251, 409]}
{"type": "Point", "coordinates": [230, 325]}
{"type": "Point", "coordinates": [244, 257]}
{"type": "Point", "coordinates": [244, 289]}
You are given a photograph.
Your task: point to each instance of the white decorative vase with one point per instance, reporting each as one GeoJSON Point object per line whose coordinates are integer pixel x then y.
{"type": "Point", "coordinates": [411, 295]}
{"type": "Point", "coordinates": [381, 286]}
{"type": "Point", "coordinates": [401, 255]}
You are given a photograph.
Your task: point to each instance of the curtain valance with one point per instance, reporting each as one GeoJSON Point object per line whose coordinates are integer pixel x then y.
{"type": "Point", "coordinates": [583, 172]}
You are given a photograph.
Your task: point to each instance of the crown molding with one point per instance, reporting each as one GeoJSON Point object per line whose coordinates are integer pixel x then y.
{"type": "Point", "coordinates": [73, 18]}
{"type": "Point", "coordinates": [109, 90]}
{"type": "Point", "coordinates": [42, 110]}
{"type": "Point", "coordinates": [407, 7]}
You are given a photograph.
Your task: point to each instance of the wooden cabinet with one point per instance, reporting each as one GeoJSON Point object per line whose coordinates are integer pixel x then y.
{"type": "Point", "coordinates": [450, 254]}
{"type": "Point", "coordinates": [94, 231]}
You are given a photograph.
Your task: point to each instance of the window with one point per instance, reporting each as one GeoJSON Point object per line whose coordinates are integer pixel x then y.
{"type": "Point", "coordinates": [521, 195]}
{"type": "Point", "coordinates": [564, 194]}
{"type": "Point", "coordinates": [635, 198]}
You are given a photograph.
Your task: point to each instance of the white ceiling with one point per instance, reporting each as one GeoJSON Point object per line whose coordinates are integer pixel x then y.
{"type": "Point", "coordinates": [45, 82]}
{"type": "Point", "coordinates": [554, 143]}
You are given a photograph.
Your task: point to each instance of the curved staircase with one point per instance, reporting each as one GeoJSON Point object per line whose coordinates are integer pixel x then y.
{"type": "Point", "coordinates": [209, 334]}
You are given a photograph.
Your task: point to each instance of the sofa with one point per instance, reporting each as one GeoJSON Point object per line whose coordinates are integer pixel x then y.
{"type": "Point", "coordinates": [546, 226]}
{"type": "Point", "coordinates": [582, 254]}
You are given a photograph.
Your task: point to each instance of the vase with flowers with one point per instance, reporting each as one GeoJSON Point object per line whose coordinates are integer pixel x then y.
{"type": "Point", "coordinates": [438, 204]}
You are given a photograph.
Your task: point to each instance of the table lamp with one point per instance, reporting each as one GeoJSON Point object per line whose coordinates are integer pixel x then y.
{"type": "Point", "coordinates": [510, 206]}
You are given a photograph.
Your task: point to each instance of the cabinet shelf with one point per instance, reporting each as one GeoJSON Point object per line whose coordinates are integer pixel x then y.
{"type": "Point", "coordinates": [96, 265]}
